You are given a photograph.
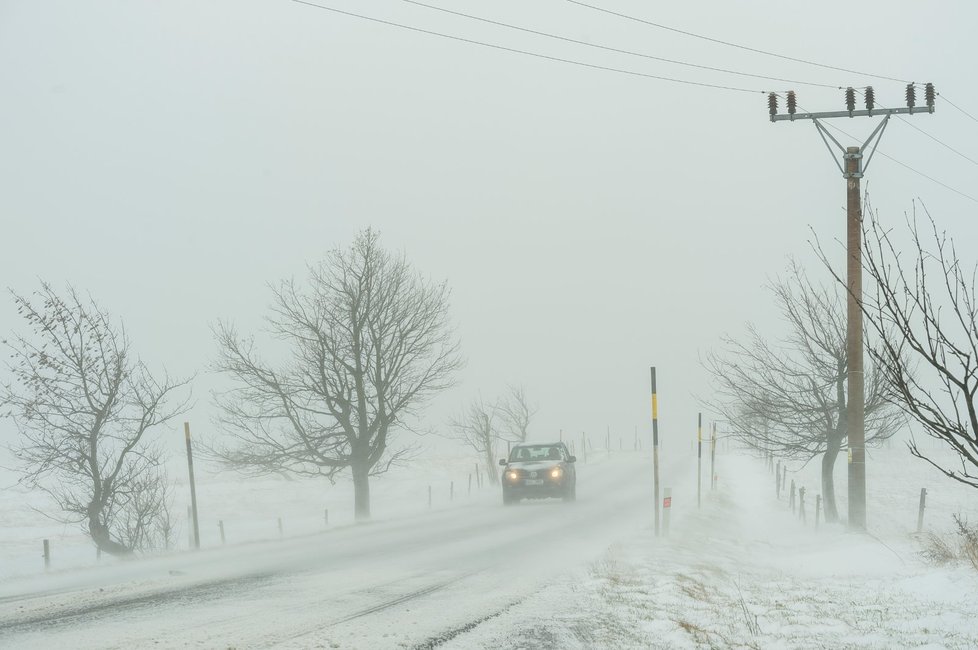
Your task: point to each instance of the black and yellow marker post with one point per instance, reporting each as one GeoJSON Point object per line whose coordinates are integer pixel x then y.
{"type": "Point", "coordinates": [655, 451]}
{"type": "Point", "coordinates": [699, 459]}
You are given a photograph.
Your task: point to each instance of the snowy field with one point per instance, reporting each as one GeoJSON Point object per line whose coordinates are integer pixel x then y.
{"type": "Point", "coordinates": [741, 571]}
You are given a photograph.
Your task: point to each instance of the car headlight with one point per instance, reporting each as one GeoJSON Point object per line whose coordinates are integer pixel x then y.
{"type": "Point", "coordinates": [556, 472]}
{"type": "Point", "coordinates": [512, 475]}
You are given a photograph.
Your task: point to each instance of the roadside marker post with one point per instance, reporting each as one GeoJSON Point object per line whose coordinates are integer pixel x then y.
{"type": "Point", "coordinates": [47, 555]}
{"type": "Point", "coordinates": [655, 451]}
{"type": "Point", "coordinates": [220, 525]}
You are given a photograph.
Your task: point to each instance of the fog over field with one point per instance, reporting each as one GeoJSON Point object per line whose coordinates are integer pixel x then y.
{"type": "Point", "coordinates": [579, 191]}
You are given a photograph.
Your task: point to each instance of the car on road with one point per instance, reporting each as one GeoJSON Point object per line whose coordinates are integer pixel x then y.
{"type": "Point", "coordinates": [538, 471]}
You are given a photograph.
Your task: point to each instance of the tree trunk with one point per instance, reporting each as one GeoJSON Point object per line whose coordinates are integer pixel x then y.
{"type": "Point", "coordinates": [361, 490]}
{"type": "Point", "coordinates": [101, 537]}
{"type": "Point", "coordinates": [828, 484]}
{"type": "Point", "coordinates": [491, 467]}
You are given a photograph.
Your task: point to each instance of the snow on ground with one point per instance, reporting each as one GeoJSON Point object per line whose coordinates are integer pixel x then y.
{"type": "Point", "coordinates": [740, 572]}
{"type": "Point", "coordinates": [744, 572]}
{"type": "Point", "coordinates": [249, 508]}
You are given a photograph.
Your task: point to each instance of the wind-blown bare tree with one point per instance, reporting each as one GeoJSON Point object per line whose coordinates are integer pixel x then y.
{"type": "Point", "coordinates": [789, 396]}
{"type": "Point", "coordinates": [478, 427]}
{"type": "Point", "coordinates": [516, 413]}
{"type": "Point", "coordinates": [369, 341]}
{"type": "Point", "coordinates": [925, 311]}
{"type": "Point", "coordinates": [84, 405]}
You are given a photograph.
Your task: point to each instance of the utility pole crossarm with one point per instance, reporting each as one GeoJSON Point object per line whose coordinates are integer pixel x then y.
{"type": "Point", "coordinates": [876, 112]}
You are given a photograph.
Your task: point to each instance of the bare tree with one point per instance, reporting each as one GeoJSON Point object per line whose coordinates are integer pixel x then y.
{"type": "Point", "coordinates": [789, 396]}
{"type": "Point", "coordinates": [477, 426]}
{"type": "Point", "coordinates": [925, 310]}
{"type": "Point", "coordinates": [84, 405]}
{"type": "Point", "coordinates": [516, 413]}
{"type": "Point", "coordinates": [369, 342]}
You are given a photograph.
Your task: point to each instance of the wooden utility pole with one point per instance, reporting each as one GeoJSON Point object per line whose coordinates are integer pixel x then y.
{"type": "Point", "coordinates": [855, 404]}
{"type": "Point", "coordinates": [655, 452]}
{"type": "Point", "coordinates": [852, 169]}
{"type": "Point", "coordinates": [193, 484]}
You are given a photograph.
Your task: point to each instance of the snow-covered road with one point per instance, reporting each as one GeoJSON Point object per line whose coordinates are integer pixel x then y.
{"type": "Point", "coordinates": [410, 582]}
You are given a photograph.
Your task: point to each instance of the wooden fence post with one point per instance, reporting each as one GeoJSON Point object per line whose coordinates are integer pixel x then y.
{"type": "Point", "coordinates": [470, 484]}
{"type": "Point", "coordinates": [818, 508]}
{"type": "Point", "coordinates": [920, 509]}
{"type": "Point", "coordinates": [429, 497]}
{"type": "Point", "coordinates": [801, 505]}
{"type": "Point", "coordinates": [220, 525]}
{"type": "Point", "coordinates": [792, 498]}
{"type": "Point", "coordinates": [777, 480]}
{"type": "Point", "coordinates": [47, 555]}
{"type": "Point", "coordinates": [451, 491]}
{"type": "Point", "coordinates": [326, 516]}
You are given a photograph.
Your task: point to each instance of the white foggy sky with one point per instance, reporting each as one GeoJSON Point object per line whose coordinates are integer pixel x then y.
{"type": "Point", "coordinates": [175, 157]}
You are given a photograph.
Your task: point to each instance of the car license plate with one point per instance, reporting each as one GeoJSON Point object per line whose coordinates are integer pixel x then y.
{"type": "Point", "coordinates": [534, 481]}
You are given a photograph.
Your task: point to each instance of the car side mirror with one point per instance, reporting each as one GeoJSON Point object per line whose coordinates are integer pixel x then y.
{"type": "Point", "coordinates": [502, 461]}
{"type": "Point", "coordinates": [572, 459]}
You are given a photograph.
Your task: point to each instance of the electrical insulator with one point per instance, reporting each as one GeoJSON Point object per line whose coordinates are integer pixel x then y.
{"type": "Point", "coordinates": [772, 103]}
{"type": "Point", "coordinates": [850, 99]}
{"type": "Point", "coordinates": [929, 94]}
{"type": "Point", "coordinates": [870, 98]}
{"type": "Point", "coordinates": [911, 96]}
{"type": "Point", "coordinates": [792, 102]}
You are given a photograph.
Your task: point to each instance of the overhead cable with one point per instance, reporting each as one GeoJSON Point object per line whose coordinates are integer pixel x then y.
{"type": "Point", "coordinates": [614, 49]}
{"type": "Point", "coordinates": [958, 108]}
{"type": "Point", "coordinates": [514, 50]}
{"type": "Point", "coordinates": [902, 164]}
{"type": "Point", "coordinates": [729, 44]}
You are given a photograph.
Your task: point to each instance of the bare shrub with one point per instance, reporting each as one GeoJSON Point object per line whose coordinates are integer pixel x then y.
{"type": "Point", "coordinates": [937, 550]}
{"type": "Point", "coordinates": [968, 536]}
{"type": "Point", "coordinates": [964, 547]}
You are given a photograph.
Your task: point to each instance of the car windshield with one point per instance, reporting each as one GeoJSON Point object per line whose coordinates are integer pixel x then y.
{"type": "Point", "coordinates": [536, 452]}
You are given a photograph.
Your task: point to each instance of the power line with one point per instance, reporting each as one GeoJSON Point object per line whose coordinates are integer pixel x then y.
{"type": "Point", "coordinates": [615, 49]}
{"type": "Point", "coordinates": [938, 141]}
{"type": "Point", "coordinates": [514, 50]}
{"type": "Point", "coordinates": [902, 164]}
{"type": "Point", "coordinates": [729, 44]}
{"type": "Point", "coordinates": [956, 107]}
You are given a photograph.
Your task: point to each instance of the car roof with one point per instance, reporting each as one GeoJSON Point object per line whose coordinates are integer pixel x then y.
{"type": "Point", "coordinates": [538, 444]}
